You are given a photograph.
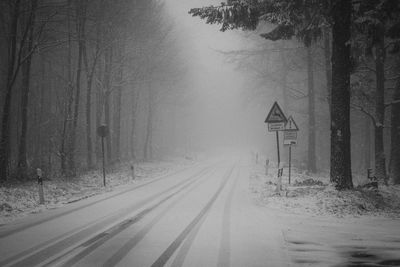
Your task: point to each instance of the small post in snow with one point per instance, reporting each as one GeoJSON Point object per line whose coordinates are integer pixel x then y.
{"type": "Point", "coordinates": [39, 174]}
{"type": "Point", "coordinates": [279, 180]}
{"type": "Point", "coordinates": [266, 166]}
{"type": "Point", "coordinates": [133, 171]}
{"type": "Point", "coordinates": [102, 131]}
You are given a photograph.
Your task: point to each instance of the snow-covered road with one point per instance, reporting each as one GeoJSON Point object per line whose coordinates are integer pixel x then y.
{"type": "Point", "coordinates": [201, 216]}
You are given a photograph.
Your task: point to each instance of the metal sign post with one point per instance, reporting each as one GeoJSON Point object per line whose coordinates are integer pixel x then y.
{"type": "Point", "coordinates": [290, 138]}
{"type": "Point", "coordinates": [290, 161]}
{"type": "Point", "coordinates": [103, 131]}
{"type": "Point", "coordinates": [276, 122]}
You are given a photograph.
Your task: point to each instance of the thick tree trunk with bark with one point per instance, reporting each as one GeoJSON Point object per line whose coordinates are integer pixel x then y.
{"type": "Point", "coordinates": [340, 172]}
{"type": "Point", "coordinates": [312, 161]}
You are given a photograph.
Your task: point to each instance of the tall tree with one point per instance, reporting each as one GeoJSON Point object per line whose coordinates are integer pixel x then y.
{"type": "Point", "coordinates": [340, 97]}
{"type": "Point", "coordinates": [395, 132]}
{"type": "Point", "coordinates": [26, 69]}
{"type": "Point", "coordinates": [306, 21]}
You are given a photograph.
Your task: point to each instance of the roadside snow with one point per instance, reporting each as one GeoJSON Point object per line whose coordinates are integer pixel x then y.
{"type": "Point", "coordinates": [314, 195]}
{"type": "Point", "coordinates": [18, 200]}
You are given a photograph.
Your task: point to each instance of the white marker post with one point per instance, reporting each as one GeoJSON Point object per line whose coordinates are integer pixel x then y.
{"type": "Point", "coordinates": [133, 171]}
{"type": "Point", "coordinates": [39, 174]}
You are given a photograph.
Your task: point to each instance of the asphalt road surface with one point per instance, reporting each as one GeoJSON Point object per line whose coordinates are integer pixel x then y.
{"type": "Point", "coordinates": [200, 216]}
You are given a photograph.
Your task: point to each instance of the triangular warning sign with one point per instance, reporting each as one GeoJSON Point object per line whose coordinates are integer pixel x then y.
{"type": "Point", "coordinates": [291, 124]}
{"type": "Point", "coordinates": [275, 114]}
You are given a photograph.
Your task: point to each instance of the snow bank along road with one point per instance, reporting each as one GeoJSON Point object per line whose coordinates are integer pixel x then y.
{"type": "Point", "coordinates": [201, 216]}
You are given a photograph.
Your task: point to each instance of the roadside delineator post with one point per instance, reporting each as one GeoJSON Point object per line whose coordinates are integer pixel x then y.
{"type": "Point", "coordinates": [266, 166]}
{"type": "Point", "coordinates": [39, 174]}
{"type": "Point", "coordinates": [133, 171]}
{"type": "Point", "coordinates": [279, 180]}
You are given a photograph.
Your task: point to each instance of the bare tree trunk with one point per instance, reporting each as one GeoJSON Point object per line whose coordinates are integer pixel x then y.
{"type": "Point", "coordinates": [367, 143]}
{"type": "Point", "coordinates": [380, 161]}
{"type": "Point", "coordinates": [134, 115]}
{"type": "Point", "coordinates": [328, 66]}
{"type": "Point", "coordinates": [284, 74]}
{"type": "Point", "coordinates": [89, 81]}
{"type": "Point", "coordinates": [90, 71]}
{"type": "Point", "coordinates": [69, 98]}
{"type": "Point", "coordinates": [80, 29]}
{"type": "Point", "coordinates": [340, 122]}
{"type": "Point", "coordinates": [11, 74]}
{"type": "Point", "coordinates": [117, 107]}
{"type": "Point", "coordinates": [312, 165]}
{"type": "Point", "coordinates": [147, 145]}
{"type": "Point", "coordinates": [395, 132]}
{"type": "Point", "coordinates": [107, 84]}
{"type": "Point", "coordinates": [26, 69]}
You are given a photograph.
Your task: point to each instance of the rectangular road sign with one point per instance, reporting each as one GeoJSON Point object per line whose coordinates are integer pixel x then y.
{"type": "Point", "coordinates": [290, 135]}
{"type": "Point", "coordinates": [276, 126]}
{"type": "Point", "coordinates": [289, 142]}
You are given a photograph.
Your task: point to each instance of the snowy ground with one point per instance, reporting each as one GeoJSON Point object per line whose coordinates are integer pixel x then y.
{"type": "Point", "coordinates": [18, 200]}
{"type": "Point", "coordinates": [314, 195]}
{"type": "Point", "coordinates": [324, 227]}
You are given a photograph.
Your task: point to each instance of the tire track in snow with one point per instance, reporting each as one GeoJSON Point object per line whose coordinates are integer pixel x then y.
{"type": "Point", "coordinates": [128, 246]}
{"type": "Point", "coordinates": [224, 256]}
{"type": "Point", "coordinates": [42, 251]}
{"type": "Point", "coordinates": [101, 238]}
{"type": "Point", "coordinates": [166, 255]}
{"type": "Point", "coordinates": [5, 233]}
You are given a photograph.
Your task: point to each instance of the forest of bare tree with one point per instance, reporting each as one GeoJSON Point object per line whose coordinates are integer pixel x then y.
{"type": "Point", "coordinates": [71, 66]}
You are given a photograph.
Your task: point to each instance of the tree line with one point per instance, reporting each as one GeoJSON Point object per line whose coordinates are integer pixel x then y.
{"type": "Point", "coordinates": [73, 65]}
{"type": "Point", "coordinates": [359, 41]}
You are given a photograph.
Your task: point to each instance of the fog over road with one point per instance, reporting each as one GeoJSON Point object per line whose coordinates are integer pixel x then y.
{"type": "Point", "coordinates": [200, 216]}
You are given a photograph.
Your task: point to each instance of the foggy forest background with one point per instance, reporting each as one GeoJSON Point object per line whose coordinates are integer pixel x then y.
{"type": "Point", "coordinates": [70, 66]}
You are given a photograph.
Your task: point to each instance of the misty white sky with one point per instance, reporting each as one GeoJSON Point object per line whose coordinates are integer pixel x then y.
{"type": "Point", "coordinates": [217, 84]}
